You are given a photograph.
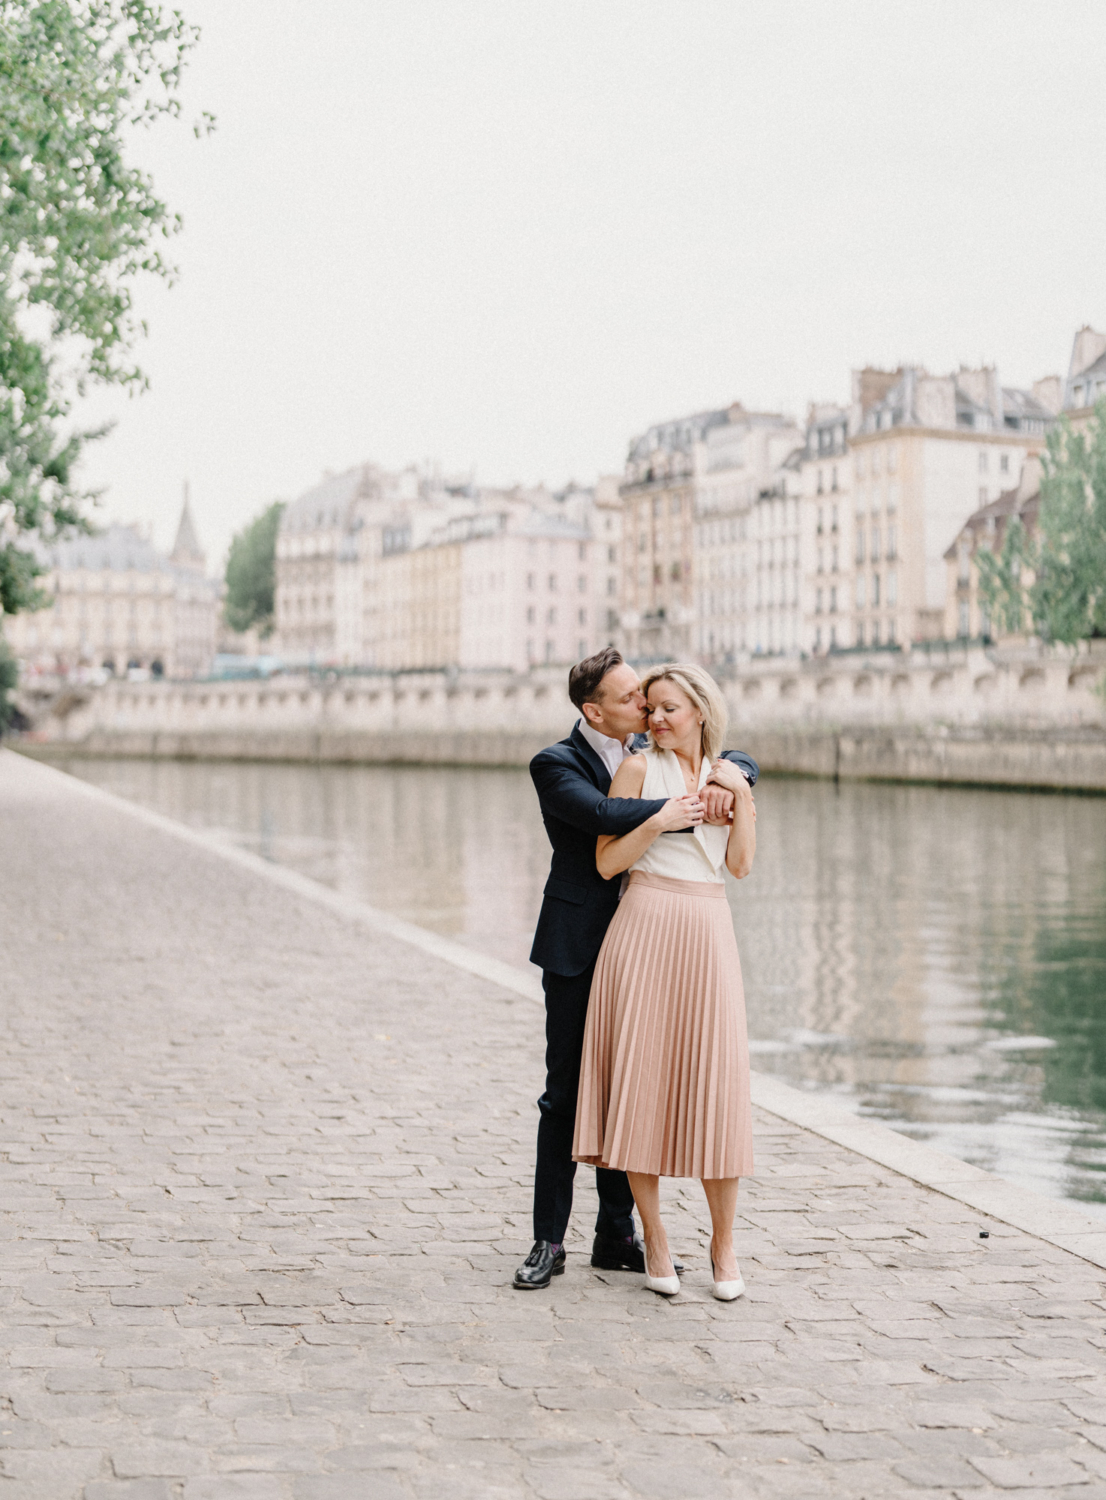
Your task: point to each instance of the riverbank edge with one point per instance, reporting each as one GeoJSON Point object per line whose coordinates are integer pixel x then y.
{"type": "Point", "coordinates": [1051, 1220]}
{"type": "Point", "coordinates": [1071, 759]}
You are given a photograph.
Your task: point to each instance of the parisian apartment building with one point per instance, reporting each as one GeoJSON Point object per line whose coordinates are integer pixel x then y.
{"type": "Point", "coordinates": [746, 534]}
{"type": "Point", "coordinates": [966, 615]}
{"type": "Point", "coordinates": [118, 605]}
{"type": "Point", "coordinates": [407, 571]}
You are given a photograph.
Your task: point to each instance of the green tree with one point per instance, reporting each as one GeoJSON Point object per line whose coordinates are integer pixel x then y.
{"type": "Point", "coordinates": [1052, 580]}
{"type": "Point", "coordinates": [78, 226]}
{"type": "Point", "coordinates": [251, 573]}
{"type": "Point", "coordinates": [9, 677]}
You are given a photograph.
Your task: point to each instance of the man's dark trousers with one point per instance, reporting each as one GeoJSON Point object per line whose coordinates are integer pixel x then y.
{"type": "Point", "coordinates": [566, 1009]}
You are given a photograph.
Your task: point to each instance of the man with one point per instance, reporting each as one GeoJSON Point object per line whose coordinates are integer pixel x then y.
{"type": "Point", "coordinates": [572, 779]}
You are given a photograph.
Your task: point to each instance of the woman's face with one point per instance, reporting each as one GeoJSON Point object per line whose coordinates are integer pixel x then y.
{"type": "Point", "coordinates": [673, 718]}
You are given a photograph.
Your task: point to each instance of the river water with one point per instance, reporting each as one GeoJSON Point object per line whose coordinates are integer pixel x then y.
{"type": "Point", "coordinates": [935, 955]}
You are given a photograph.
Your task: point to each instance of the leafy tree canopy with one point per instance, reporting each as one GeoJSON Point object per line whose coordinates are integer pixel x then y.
{"type": "Point", "coordinates": [251, 573]}
{"type": "Point", "coordinates": [1052, 580]}
{"type": "Point", "coordinates": [9, 677]}
{"type": "Point", "coordinates": [78, 225]}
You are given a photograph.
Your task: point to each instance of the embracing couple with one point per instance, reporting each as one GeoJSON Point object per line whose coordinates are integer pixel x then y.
{"type": "Point", "coordinates": [647, 1062]}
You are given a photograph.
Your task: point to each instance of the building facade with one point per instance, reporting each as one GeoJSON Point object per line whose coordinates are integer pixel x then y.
{"type": "Point", "coordinates": [927, 452]}
{"type": "Point", "coordinates": [826, 531]}
{"type": "Point", "coordinates": [746, 537]}
{"type": "Point", "coordinates": [119, 605]}
{"type": "Point", "coordinates": [409, 571]}
{"type": "Point", "coordinates": [658, 596]}
{"type": "Point", "coordinates": [697, 519]}
{"type": "Point", "coordinates": [322, 559]}
{"type": "Point", "coordinates": [966, 614]}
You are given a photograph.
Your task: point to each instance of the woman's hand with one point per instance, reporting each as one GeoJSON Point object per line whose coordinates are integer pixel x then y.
{"type": "Point", "coordinates": [724, 773]}
{"type": "Point", "coordinates": [678, 813]}
{"type": "Point", "coordinates": [718, 803]}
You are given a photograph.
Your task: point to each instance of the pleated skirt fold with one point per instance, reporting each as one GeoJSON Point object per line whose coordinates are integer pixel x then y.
{"type": "Point", "coordinates": [664, 1079]}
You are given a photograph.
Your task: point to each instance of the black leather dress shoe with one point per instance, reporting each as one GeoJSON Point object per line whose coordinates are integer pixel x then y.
{"type": "Point", "coordinates": [622, 1255]}
{"type": "Point", "coordinates": [540, 1267]}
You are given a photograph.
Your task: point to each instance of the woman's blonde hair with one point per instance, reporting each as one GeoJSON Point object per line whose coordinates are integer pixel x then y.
{"type": "Point", "coordinates": [704, 693]}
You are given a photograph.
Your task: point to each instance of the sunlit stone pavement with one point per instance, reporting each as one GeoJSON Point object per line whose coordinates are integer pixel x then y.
{"type": "Point", "coordinates": [265, 1178]}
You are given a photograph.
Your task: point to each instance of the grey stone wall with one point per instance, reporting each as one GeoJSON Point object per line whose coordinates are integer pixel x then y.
{"type": "Point", "coordinates": [1021, 718]}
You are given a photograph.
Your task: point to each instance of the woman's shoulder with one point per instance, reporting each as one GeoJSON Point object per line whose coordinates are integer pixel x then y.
{"type": "Point", "coordinates": [653, 755]}
{"type": "Point", "coordinates": [631, 773]}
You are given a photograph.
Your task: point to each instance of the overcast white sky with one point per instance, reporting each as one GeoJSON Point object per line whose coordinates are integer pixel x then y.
{"type": "Point", "coordinates": [510, 234]}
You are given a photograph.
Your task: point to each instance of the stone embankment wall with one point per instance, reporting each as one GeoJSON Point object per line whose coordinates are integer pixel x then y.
{"type": "Point", "coordinates": [1028, 718]}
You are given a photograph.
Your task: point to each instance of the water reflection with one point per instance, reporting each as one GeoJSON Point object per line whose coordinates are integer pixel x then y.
{"type": "Point", "coordinates": [937, 954]}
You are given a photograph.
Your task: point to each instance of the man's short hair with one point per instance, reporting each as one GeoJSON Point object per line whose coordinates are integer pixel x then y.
{"type": "Point", "coordinates": [586, 675]}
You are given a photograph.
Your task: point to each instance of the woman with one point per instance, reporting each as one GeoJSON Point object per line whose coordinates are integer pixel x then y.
{"type": "Point", "coordinates": [664, 1086]}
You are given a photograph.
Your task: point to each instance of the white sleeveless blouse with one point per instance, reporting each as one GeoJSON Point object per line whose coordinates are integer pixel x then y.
{"type": "Point", "coordinates": [698, 854]}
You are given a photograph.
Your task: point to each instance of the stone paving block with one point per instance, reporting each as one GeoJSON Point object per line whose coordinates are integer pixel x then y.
{"type": "Point", "coordinates": [942, 1473]}
{"type": "Point", "coordinates": [1089, 1457]}
{"type": "Point", "coordinates": [1090, 1491]}
{"type": "Point", "coordinates": [340, 1487]}
{"type": "Point", "coordinates": [1042, 1471]}
{"type": "Point", "coordinates": [129, 1489]}
{"type": "Point", "coordinates": [571, 1484]}
{"type": "Point", "coordinates": [59, 1472]}
{"type": "Point", "coordinates": [238, 1487]}
{"type": "Point", "coordinates": [846, 1447]}
{"type": "Point", "coordinates": [661, 1481]}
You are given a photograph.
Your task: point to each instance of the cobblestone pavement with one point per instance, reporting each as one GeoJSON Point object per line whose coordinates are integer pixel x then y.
{"type": "Point", "coordinates": [266, 1178]}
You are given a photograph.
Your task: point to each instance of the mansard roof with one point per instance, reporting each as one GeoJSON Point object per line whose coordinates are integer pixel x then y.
{"type": "Point", "coordinates": [327, 504]}
{"type": "Point", "coordinates": [116, 547]}
{"type": "Point", "coordinates": [1021, 403]}
{"type": "Point", "coordinates": [677, 435]}
{"type": "Point", "coordinates": [899, 406]}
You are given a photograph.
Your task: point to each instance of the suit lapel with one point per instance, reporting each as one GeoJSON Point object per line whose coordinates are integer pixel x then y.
{"type": "Point", "coordinates": [600, 774]}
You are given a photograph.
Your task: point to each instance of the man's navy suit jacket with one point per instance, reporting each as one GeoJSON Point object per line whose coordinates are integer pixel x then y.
{"type": "Point", "coordinates": [572, 784]}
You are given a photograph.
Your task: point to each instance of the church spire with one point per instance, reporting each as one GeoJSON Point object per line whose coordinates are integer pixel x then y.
{"type": "Point", "coordinates": [187, 552]}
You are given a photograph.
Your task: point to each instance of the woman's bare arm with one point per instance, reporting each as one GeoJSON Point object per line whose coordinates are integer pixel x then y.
{"type": "Point", "coordinates": [741, 846]}
{"type": "Point", "coordinates": [613, 855]}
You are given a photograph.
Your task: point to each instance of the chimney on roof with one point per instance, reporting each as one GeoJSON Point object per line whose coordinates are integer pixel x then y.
{"type": "Point", "coordinates": [1030, 482]}
{"type": "Point", "coordinates": [1088, 347]}
{"type": "Point", "coordinates": [1049, 391]}
{"type": "Point", "coordinates": [870, 386]}
{"type": "Point", "coordinates": [187, 552]}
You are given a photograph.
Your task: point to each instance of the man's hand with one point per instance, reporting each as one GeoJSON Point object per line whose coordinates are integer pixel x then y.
{"type": "Point", "coordinates": [679, 814]}
{"type": "Point", "coordinates": [718, 804]}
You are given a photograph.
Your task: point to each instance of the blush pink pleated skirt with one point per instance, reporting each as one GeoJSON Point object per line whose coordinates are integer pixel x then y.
{"type": "Point", "coordinates": [664, 1080]}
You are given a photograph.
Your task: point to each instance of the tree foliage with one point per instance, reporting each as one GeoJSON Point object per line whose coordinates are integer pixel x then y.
{"type": "Point", "coordinates": [251, 573]}
{"type": "Point", "coordinates": [1052, 580]}
{"type": "Point", "coordinates": [78, 226]}
{"type": "Point", "coordinates": [9, 677]}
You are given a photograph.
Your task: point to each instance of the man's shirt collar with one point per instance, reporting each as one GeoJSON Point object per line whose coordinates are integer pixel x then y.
{"type": "Point", "coordinates": [611, 752]}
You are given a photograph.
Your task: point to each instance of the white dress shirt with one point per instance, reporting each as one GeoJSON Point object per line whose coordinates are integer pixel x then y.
{"type": "Point", "coordinates": [610, 751]}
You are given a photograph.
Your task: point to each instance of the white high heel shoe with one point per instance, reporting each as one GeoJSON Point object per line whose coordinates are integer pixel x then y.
{"type": "Point", "coordinates": [667, 1286]}
{"type": "Point", "coordinates": [727, 1291]}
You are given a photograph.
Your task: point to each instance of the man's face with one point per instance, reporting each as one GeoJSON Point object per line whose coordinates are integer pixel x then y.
{"type": "Point", "coordinates": [620, 709]}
